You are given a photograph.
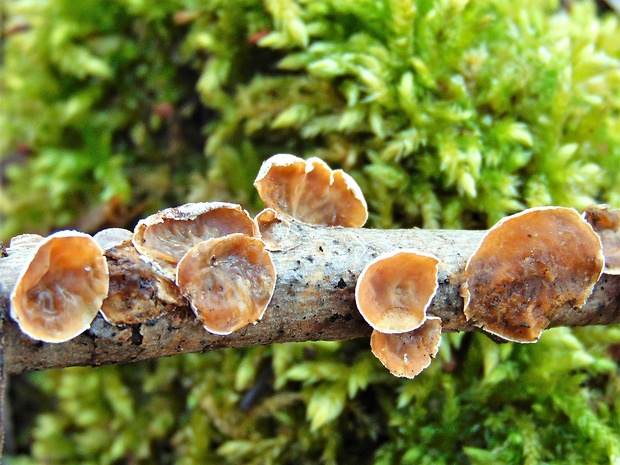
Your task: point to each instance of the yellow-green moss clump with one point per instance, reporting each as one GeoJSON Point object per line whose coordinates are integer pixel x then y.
{"type": "Point", "coordinates": [449, 114]}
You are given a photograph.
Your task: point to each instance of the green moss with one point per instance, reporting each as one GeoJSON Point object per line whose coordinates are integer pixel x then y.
{"type": "Point", "coordinates": [449, 114]}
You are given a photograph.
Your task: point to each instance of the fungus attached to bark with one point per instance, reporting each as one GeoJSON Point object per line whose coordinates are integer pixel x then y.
{"type": "Point", "coordinates": [311, 192]}
{"type": "Point", "coordinates": [407, 354]}
{"type": "Point", "coordinates": [229, 281]}
{"type": "Point", "coordinates": [528, 268]}
{"type": "Point", "coordinates": [112, 237]}
{"type": "Point", "coordinates": [60, 290]}
{"type": "Point", "coordinates": [606, 222]}
{"type": "Point", "coordinates": [166, 236]}
{"type": "Point", "coordinates": [395, 289]}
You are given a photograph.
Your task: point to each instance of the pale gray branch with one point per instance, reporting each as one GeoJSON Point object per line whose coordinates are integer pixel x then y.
{"type": "Point", "coordinates": [314, 300]}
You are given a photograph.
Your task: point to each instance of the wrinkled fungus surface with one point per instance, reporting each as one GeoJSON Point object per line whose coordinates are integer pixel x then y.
{"type": "Point", "coordinates": [166, 236]}
{"type": "Point", "coordinates": [529, 267]}
{"type": "Point", "coordinates": [606, 223]}
{"type": "Point", "coordinates": [228, 281]}
{"type": "Point", "coordinates": [395, 289]}
{"type": "Point", "coordinates": [311, 192]}
{"type": "Point", "coordinates": [407, 354]}
{"type": "Point", "coordinates": [61, 290]}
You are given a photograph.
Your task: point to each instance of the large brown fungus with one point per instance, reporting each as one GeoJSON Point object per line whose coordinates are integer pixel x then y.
{"type": "Point", "coordinates": [309, 191]}
{"type": "Point", "coordinates": [606, 222]}
{"type": "Point", "coordinates": [61, 289]}
{"type": "Point", "coordinates": [529, 267]}
{"type": "Point", "coordinates": [229, 281]}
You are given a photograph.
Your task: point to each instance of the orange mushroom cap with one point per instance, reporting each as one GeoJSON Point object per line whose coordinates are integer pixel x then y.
{"type": "Point", "coordinates": [606, 222]}
{"type": "Point", "coordinates": [395, 289]}
{"type": "Point", "coordinates": [166, 236]}
{"type": "Point", "coordinates": [407, 354]}
{"type": "Point", "coordinates": [229, 281]}
{"type": "Point", "coordinates": [60, 291]}
{"type": "Point", "coordinates": [311, 192]}
{"type": "Point", "coordinates": [528, 267]}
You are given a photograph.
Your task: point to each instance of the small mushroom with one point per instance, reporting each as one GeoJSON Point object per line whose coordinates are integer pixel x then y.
{"type": "Point", "coordinates": [137, 293]}
{"type": "Point", "coordinates": [61, 289]}
{"type": "Point", "coordinates": [229, 281]}
{"type": "Point", "coordinates": [407, 354]}
{"type": "Point", "coordinates": [529, 267]}
{"type": "Point", "coordinates": [165, 237]}
{"type": "Point", "coordinates": [606, 222]}
{"type": "Point", "coordinates": [311, 192]}
{"type": "Point", "coordinates": [112, 237]}
{"type": "Point", "coordinates": [394, 290]}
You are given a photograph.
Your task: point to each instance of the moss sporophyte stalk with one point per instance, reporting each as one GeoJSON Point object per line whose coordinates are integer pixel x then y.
{"type": "Point", "coordinates": [448, 114]}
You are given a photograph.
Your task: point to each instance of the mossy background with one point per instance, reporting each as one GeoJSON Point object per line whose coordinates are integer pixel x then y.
{"type": "Point", "coordinates": [448, 113]}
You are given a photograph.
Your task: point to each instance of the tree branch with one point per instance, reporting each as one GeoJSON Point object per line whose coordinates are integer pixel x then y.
{"type": "Point", "coordinates": [314, 299]}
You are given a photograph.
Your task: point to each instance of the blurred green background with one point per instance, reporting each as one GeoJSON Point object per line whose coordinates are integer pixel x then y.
{"type": "Point", "coordinates": [449, 114]}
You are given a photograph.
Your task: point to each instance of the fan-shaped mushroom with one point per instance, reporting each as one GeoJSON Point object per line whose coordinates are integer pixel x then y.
{"type": "Point", "coordinates": [528, 267]}
{"type": "Point", "coordinates": [606, 222]}
{"type": "Point", "coordinates": [60, 290]}
{"type": "Point", "coordinates": [407, 354]}
{"type": "Point", "coordinates": [394, 290]}
{"type": "Point", "coordinates": [311, 192]}
{"type": "Point", "coordinates": [229, 281]}
{"type": "Point", "coordinates": [166, 236]}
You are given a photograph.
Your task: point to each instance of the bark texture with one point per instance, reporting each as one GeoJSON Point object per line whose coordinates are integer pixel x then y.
{"type": "Point", "coordinates": [314, 298]}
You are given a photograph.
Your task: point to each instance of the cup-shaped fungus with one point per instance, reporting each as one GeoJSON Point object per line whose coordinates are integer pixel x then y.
{"type": "Point", "coordinates": [606, 222]}
{"type": "Point", "coordinates": [394, 290]}
{"type": "Point", "coordinates": [60, 290]}
{"type": "Point", "coordinates": [528, 268]}
{"type": "Point", "coordinates": [407, 354]}
{"type": "Point", "coordinates": [112, 237]}
{"type": "Point", "coordinates": [229, 281]}
{"type": "Point", "coordinates": [311, 192]}
{"type": "Point", "coordinates": [165, 237]}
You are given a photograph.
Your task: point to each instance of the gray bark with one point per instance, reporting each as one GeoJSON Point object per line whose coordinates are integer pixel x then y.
{"type": "Point", "coordinates": [314, 299]}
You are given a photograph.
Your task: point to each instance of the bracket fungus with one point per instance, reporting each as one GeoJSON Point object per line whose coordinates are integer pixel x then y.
{"type": "Point", "coordinates": [60, 290]}
{"type": "Point", "coordinates": [606, 222]}
{"type": "Point", "coordinates": [529, 267]}
{"type": "Point", "coordinates": [311, 192]}
{"type": "Point", "coordinates": [407, 354]}
{"type": "Point", "coordinates": [166, 236]}
{"type": "Point", "coordinates": [394, 290]}
{"type": "Point", "coordinates": [229, 281]}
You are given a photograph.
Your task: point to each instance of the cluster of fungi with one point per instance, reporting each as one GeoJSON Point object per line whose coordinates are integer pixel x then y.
{"type": "Point", "coordinates": [218, 259]}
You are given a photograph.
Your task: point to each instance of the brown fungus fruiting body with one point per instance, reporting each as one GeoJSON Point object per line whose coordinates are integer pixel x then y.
{"type": "Point", "coordinates": [407, 354]}
{"type": "Point", "coordinates": [606, 222]}
{"type": "Point", "coordinates": [165, 237]}
{"type": "Point", "coordinates": [60, 291]}
{"type": "Point", "coordinates": [229, 282]}
{"type": "Point", "coordinates": [527, 268]}
{"type": "Point", "coordinates": [137, 293]}
{"type": "Point", "coordinates": [394, 290]}
{"type": "Point", "coordinates": [309, 191]}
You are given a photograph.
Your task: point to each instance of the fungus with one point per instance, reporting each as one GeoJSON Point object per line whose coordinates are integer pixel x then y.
{"type": "Point", "coordinates": [112, 237]}
{"type": "Point", "coordinates": [60, 290]}
{"type": "Point", "coordinates": [229, 281]}
{"type": "Point", "coordinates": [137, 293]}
{"type": "Point", "coordinates": [407, 354]}
{"type": "Point", "coordinates": [311, 192]}
{"type": "Point", "coordinates": [165, 237]}
{"type": "Point", "coordinates": [528, 268]}
{"type": "Point", "coordinates": [394, 290]}
{"type": "Point", "coordinates": [606, 223]}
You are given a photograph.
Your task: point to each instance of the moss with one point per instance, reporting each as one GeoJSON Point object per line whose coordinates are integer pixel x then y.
{"type": "Point", "coordinates": [449, 113]}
